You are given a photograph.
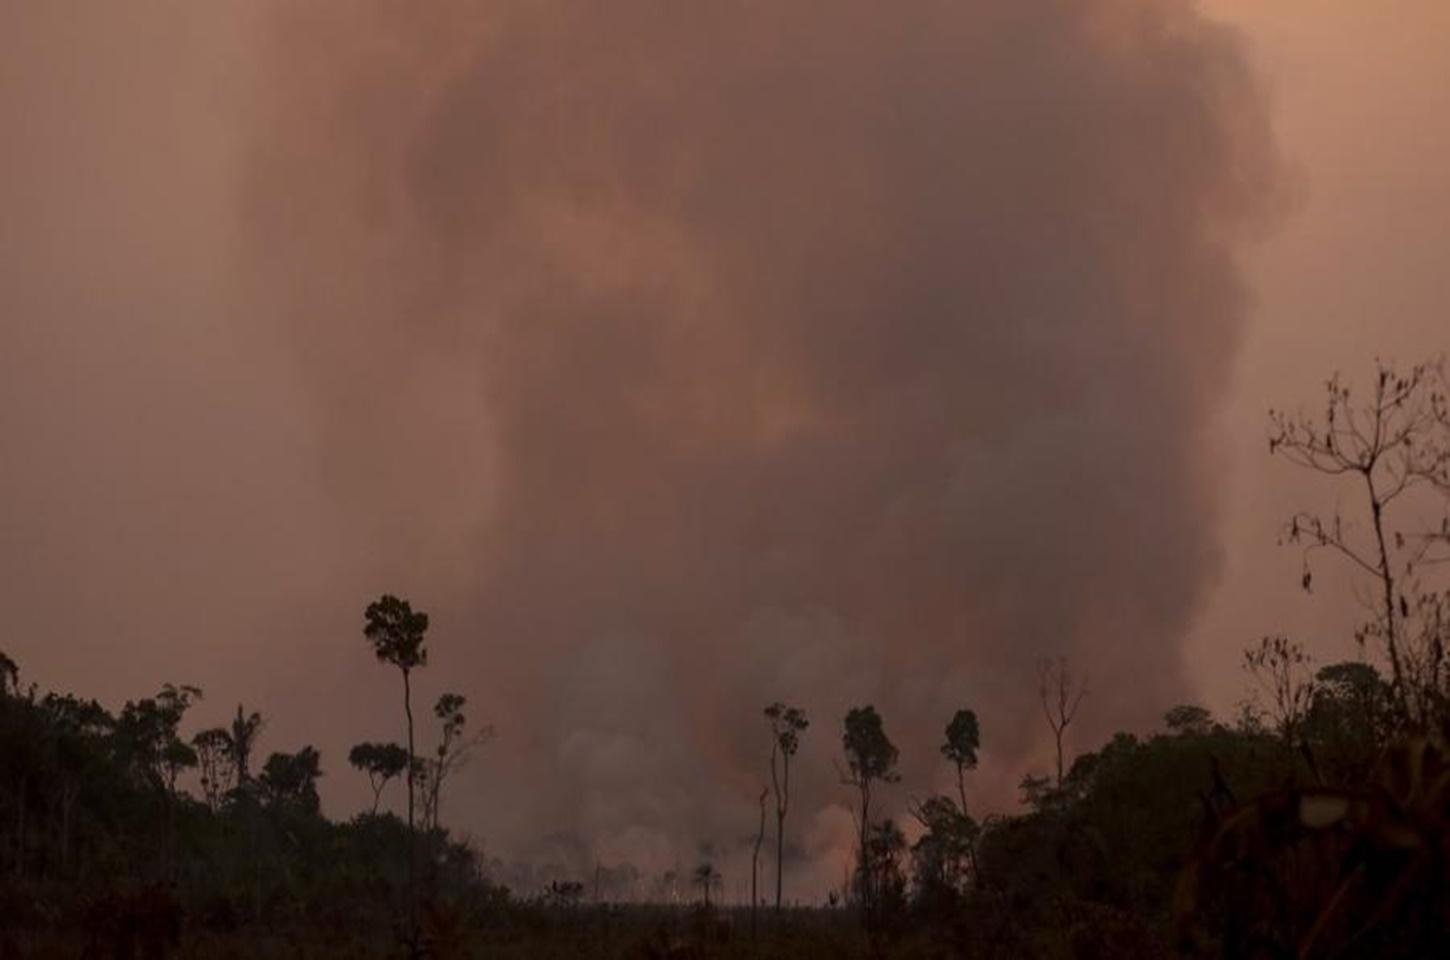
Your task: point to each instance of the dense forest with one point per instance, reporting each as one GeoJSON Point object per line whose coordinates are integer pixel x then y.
{"type": "Point", "coordinates": [1315, 822]}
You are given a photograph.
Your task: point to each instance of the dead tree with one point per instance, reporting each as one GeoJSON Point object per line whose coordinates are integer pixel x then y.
{"type": "Point", "coordinates": [1280, 668]}
{"type": "Point", "coordinates": [1394, 445]}
{"type": "Point", "coordinates": [1061, 694]}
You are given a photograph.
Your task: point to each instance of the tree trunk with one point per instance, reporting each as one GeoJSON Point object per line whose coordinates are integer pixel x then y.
{"type": "Point", "coordinates": [782, 803]}
{"type": "Point", "coordinates": [435, 793]}
{"type": "Point", "coordinates": [1387, 578]}
{"type": "Point", "coordinates": [755, 866]}
{"type": "Point", "coordinates": [866, 844]}
{"type": "Point", "coordinates": [412, 840]}
{"type": "Point", "coordinates": [971, 846]}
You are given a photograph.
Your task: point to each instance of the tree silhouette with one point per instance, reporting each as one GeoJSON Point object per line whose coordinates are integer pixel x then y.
{"type": "Point", "coordinates": [382, 762]}
{"type": "Point", "coordinates": [870, 758]}
{"type": "Point", "coordinates": [707, 877]}
{"type": "Point", "coordinates": [944, 856]}
{"type": "Point", "coordinates": [452, 752]}
{"type": "Point", "coordinates": [755, 863]}
{"type": "Point", "coordinates": [147, 734]}
{"type": "Point", "coordinates": [214, 757]}
{"type": "Point", "coordinates": [786, 726]}
{"type": "Point", "coordinates": [290, 780]}
{"type": "Point", "coordinates": [1393, 444]}
{"type": "Point", "coordinates": [9, 676]}
{"type": "Point", "coordinates": [1280, 668]}
{"type": "Point", "coordinates": [147, 737]}
{"type": "Point", "coordinates": [1188, 719]}
{"type": "Point", "coordinates": [397, 633]}
{"type": "Point", "coordinates": [241, 741]}
{"type": "Point", "coordinates": [1060, 694]}
{"type": "Point", "coordinates": [963, 740]}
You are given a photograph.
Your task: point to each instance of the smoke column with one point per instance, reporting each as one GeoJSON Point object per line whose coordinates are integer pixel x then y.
{"type": "Point", "coordinates": [680, 358]}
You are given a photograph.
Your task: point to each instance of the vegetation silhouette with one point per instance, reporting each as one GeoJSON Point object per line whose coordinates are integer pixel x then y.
{"type": "Point", "coordinates": [786, 726]}
{"type": "Point", "coordinates": [382, 762]}
{"type": "Point", "coordinates": [870, 759]}
{"type": "Point", "coordinates": [1314, 823]}
{"type": "Point", "coordinates": [397, 634]}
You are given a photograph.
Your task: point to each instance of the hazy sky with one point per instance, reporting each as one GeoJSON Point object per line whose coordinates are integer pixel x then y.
{"type": "Point", "coordinates": [1361, 101]}
{"type": "Point", "coordinates": [678, 361]}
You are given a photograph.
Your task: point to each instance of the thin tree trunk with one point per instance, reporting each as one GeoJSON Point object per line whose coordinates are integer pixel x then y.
{"type": "Point", "coordinates": [412, 840]}
{"type": "Point", "coordinates": [866, 895]}
{"type": "Point", "coordinates": [755, 866]}
{"type": "Point", "coordinates": [971, 845]}
{"type": "Point", "coordinates": [779, 856]}
{"type": "Point", "coordinates": [435, 794]}
{"type": "Point", "coordinates": [168, 855]}
{"type": "Point", "coordinates": [1392, 641]}
{"type": "Point", "coordinates": [782, 803]}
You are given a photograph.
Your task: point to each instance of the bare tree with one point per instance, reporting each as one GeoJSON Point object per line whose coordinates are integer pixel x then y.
{"type": "Point", "coordinates": [1280, 669]}
{"type": "Point", "coordinates": [1061, 694]}
{"type": "Point", "coordinates": [1395, 445]}
{"type": "Point", "coordinates": [452, 753]}
{"type": "Point", "coordinates": [786, 726]}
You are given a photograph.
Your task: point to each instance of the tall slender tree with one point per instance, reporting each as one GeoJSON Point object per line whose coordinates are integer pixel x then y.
{"type": "Point", "coordinates": [870, 758]}
{"type": "Point", "coordinates": [963, 740]}
{"type": "Point", "coordinates": [755, 864]}
{"type": "Point", "coordinates": [786, 726]}
{"type": "Point", "coordinates": [396, 632]}
{"type": "Point", "coordinates": [452, 752]}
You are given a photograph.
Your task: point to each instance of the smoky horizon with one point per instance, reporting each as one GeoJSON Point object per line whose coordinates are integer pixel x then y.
{"type": "Point", "coordinates": [679, 360]}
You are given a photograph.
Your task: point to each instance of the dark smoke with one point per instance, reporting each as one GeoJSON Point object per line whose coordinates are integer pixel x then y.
{"type": "Point", "coordinates": [684, 357]}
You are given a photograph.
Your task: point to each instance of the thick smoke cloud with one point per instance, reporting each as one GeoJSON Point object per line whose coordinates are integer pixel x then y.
{"type": "Point", "coordinates": [681, 357]}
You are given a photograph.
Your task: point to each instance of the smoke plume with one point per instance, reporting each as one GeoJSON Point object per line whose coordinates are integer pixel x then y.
{"type": "Point", "coordinates": [680, 358]}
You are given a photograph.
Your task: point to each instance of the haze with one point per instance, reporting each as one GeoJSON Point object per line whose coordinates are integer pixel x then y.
{"type": "Point", "coordinates": [681, 360]}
